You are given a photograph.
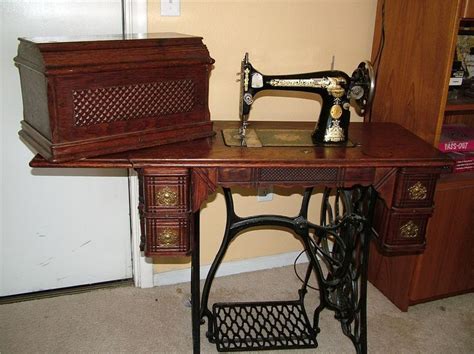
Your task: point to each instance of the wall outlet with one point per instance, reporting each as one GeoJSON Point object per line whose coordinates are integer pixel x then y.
{"type": "Point", "coordinates": [170, 8]}
{"type": "Point", "coordinates": [265, 194]}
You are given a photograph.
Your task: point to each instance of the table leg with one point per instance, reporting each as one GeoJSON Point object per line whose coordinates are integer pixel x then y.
{"type": "Point", "coordinates": [341, 270]}
{"type": "Point", "coordinates": [195, 289]}
{"type": "Point", "coordinates": [347, 221]}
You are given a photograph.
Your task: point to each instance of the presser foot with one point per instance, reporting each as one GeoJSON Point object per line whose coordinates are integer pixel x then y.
{"type": "Point", "coordinates": [235, 137]}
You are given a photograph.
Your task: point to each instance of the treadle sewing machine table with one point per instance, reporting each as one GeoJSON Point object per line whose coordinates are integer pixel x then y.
{"type": "Point", "coordinates": [389, 176]}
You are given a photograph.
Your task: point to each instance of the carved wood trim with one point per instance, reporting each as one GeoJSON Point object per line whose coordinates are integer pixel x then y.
{"type": "Point", "coordinates": [290, 176]}
{"type": "Point", "coordinates": [203, 182]}
{"type": "Point", "coordinates": [384, 183]}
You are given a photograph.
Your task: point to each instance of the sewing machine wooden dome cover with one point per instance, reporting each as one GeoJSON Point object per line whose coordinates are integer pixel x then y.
{"type": "Point", "coordinates": [85, 97]}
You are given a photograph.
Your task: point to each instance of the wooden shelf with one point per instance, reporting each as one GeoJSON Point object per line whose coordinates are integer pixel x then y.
{"type": "Point", "coordinates": [462, 104]}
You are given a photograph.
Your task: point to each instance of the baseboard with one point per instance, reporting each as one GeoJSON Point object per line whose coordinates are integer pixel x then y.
{"type": "Point", "coordinates": [229, 268]}
{"type": "Point", "coordinates": [71, 290]}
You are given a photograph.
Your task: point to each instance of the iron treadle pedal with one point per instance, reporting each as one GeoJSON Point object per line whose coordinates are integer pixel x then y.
{"type": "Point", "coordinates": [242, 326]}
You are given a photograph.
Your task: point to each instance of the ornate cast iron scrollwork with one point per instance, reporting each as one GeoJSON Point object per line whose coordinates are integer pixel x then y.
{"type": "Point", "coordinates": [338, 253]}
{"type": "Point", "coordinates": [341, 242]}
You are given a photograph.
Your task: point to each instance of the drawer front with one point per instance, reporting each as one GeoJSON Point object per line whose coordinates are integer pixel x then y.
{"type": "Point", "coordinates": [167, 193]}
{"type": "Point", "coordinates": [165, 211]}
{"type": "Point", "coordinates": [405, 229]}
{"type": "Point", "coordinates": [400, 231]}
{"type": "Point", "coordinates": [415, 190]}
{"type": "Point", "coordinates": [166, 236]}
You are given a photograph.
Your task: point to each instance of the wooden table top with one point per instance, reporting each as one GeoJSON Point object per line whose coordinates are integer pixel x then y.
{"type": "Point", "coordinates": [377, 145]}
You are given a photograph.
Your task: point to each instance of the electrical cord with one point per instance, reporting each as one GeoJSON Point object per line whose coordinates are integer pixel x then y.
{"type": "Point", "coordinates": [298, 276]}
{"type": "Point", "coordinates": [378, 56]}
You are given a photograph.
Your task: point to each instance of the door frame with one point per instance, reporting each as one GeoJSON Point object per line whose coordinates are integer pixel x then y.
{"type": "Point", "coordinates": [135, 21]}
{"type": "Point", "coordinates": [134, 16]}
{"type": "Point", "coordinates": [142, 266]}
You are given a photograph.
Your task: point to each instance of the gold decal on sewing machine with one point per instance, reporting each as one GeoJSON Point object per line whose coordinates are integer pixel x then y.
{"type": "Point", "coordinates": [334, 133]}
{"type": "Point", "coordinates": [166, 197]}
{"type": "Point", "coordinates": [337, 92]}
{"type": "Point", "coordinates": [246, 79]}
{"type": "Point", "coordinates": [330, 83]}
{"type": "Point", "coordinates": [418, 191]}
{"type": "Point", "coordinates": [296, 83]}
{"type": "Point", "coordinates": [409, 230]}
{"type": "Point", "coordinates": [336, 111]}
{"type": "Point", "coordinates": [168, 237]}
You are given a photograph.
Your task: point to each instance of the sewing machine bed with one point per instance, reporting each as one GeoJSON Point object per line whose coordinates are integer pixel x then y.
{"type": "Point", "coordinates": [276, 137]}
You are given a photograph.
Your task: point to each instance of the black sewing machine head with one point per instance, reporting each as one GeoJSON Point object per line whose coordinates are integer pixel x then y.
{"type": "Point", "coordinates": [337, 90]}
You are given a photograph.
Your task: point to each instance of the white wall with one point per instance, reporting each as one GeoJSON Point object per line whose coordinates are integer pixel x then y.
{"type": "Point", "coordinates": [58, 227]}
{"type": "Point", "coordinates": [282, 37]}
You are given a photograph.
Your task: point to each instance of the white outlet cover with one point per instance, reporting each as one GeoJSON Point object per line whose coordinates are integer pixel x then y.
{"type": "Point", "coordinates": [265, 194]}
{"type": "Point", "coordinates": [170, 7]}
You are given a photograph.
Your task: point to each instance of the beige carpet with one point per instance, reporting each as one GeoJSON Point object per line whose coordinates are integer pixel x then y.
{"type": "Point", "coordinates": [157, 320]}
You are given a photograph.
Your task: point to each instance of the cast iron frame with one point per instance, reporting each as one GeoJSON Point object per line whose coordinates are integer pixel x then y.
{"type": "Point", "coordinates": [341, 271]}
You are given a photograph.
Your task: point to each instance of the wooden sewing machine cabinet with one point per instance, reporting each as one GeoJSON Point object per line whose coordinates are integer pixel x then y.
{"type": "Point", "coordinates": [400, 170]}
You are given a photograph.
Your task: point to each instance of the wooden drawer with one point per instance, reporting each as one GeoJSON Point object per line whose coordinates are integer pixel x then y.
{"type": "Point", "coordinates": [407, 228]}
{"type": "Point", "coordinates": [166, 193]}
{"type": "Point", "coordinates": [166, 236]}
{"type": "Point", "coordinates": [400, 231]}
{"type": "Point", "coordinates": [415, 190]}
{"type": "Point", "coordinates": [165, 216]}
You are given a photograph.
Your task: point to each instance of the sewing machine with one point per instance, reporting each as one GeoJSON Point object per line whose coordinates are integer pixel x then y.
{"type": "Point", "coordinates": [338, 92]}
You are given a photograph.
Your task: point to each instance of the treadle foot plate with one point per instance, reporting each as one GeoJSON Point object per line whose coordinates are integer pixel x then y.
{"type": "Point", "coordinates": [243, 326]}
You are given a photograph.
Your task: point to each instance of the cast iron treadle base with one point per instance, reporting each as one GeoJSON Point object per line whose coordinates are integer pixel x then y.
{"type": "Point", "coordinates": [243, 326]}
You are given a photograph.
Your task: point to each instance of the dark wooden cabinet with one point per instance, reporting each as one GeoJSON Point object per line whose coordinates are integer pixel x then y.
{"type": "Point", "coordinates": [446, 267]}
{"type": "Point", "coordinates": [412, 90]}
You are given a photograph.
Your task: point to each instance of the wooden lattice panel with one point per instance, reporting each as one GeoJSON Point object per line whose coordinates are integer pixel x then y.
{"type": "Point", "coordinates": [138, 101]}
{"type": "Point", "coordinates": [298, 174]}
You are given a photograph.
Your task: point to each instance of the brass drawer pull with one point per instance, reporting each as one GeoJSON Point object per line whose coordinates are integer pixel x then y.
{"type": "Point", "coordinates": [409, 230]}
{"type": "Point", "coordinates": [166, 196]}
{"type": "Point", "coordinates": [168, 237]}
{"type": "Point", "coordinates": [418, 191]}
